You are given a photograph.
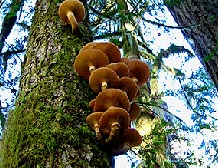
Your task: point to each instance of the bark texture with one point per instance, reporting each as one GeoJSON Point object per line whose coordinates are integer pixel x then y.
{"type": "Point", "coordinates": [47, 128]}
{"type": "Point", "coordinates": [203, 16]}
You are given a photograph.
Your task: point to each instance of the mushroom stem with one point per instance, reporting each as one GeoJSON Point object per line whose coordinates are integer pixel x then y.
{"type": "Point", "coordinates": [114, 132]}
{"type": "Point", "coordinates": [91, 68]}
{"type": "Point", "coordinates": [135, 79]}
{"type": "Point", "coordinates": [104, 85]}
{"type": "Point", "coordinates": [97, 132]}
{"type": "Point", "coordinates": [72, 20]}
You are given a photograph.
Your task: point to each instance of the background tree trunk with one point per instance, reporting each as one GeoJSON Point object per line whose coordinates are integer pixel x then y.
{"type": "Point", "coordinates": [48, 128]}
{"type": "Point", "coordinates": [203, 16]}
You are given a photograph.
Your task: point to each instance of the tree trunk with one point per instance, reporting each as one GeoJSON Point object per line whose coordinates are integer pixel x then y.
{"type": "Point", "coordinates": [47, 128]}
{"type": "Point", "coordinates": [203, 18]}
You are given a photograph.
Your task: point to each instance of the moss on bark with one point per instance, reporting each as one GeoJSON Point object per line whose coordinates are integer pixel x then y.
{"type": "Point", "coordinates": [47, 128]}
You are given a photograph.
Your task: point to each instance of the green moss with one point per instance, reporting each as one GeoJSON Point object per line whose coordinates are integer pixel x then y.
{"type": "Point", "coordinates": [50, 114]}
{"type": "Point", "coordinates": [41, 129]}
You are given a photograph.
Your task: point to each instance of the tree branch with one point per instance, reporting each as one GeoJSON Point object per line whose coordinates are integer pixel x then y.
{"type": "Point", "coordinates": [8, 52]}
{"type": "Point", "coordinates": [168, 26]}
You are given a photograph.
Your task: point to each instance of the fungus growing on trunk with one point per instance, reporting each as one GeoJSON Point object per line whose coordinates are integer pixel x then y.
{"type": "Point", "coordinates": [103, 78]}
{"type": "Point", "coordinates": [113, 121]}
{"type": "Point", "coordinates": [93, 121]}
{"type": "Point", "coordinates": [128, 138]}
{"type": "Point", "coordinates": [120, 68]}
{"type": "Point", "coordinates": [131, 137]}
{"type": "Point", "coordinates": [134, 111]}
{"type": "Point", "coordinates": [72, 12]}
{"type": "Point", "coordinates": [139, 71]}
{"type": "Point", "coordinates": [111, 97]}
{"type": "Point", "coordinates": [127, 85]}
{"type": "Point", "coordinates": [92, 103]}
{"type": "Point", "coordinates": [89, 60]}
{"type": "Point", "coordinates": [110, 49]}
{"type": "Point", "coordinates": [137, 95]}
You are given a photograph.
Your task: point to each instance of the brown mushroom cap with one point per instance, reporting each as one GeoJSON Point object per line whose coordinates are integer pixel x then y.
{"type": "Point", "coordinates": [134, 111]}
{"type": "Point", "coordinates": [93, 121]}
{"type": "Point", "coordinates": [89, 60]}
{"type": "Point", "coordinates": [92, 103]}
{"type": "Point", "coordinates": [103, 78]}
{"type": "Point", "coordinates": [120, 68]}
{"type": "Point", "coordinates": [121, 149]}
{"type": "Point", "coordinates": [131, 137]}
{"type": "Point", "coordinates": [93, 118]}
{"type": "Point", "coordinates": [137, 95]}
{"type": "Point", "coordinates": [111, 97]}
{"type": "Point", "coordinates": [114, 115]}
{"type": "Point", "coordinates": [72, 12]}
{"type": "Point", "coordinates": [127, 85]}
{"type": "Point", "coordinates": [139, 71]}
{"type": "Point", "coordinates": [114, 121]}
{"type": "Point", "coordinates": [110, 49]}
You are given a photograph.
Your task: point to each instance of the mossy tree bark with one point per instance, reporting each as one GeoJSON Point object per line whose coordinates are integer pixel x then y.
{"type": "Point", "coordinates": [202, 15]}
{"type": "Point", "coordinates": [47, 128]}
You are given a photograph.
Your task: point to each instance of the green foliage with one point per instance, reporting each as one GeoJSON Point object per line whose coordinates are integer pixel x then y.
{"type": "Point", "coordinates": [198, 92]}
{"type": "Point", "coordinates": [11, 56]}
{"type": "Point", "coordinates": [152, 151]}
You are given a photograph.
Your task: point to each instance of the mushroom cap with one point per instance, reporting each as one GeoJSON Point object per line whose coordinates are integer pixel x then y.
{"type": "Point", "coordinates": [121, 149]}
{"type": "Point", "coordinates": [134, 111]}
{"type": "Point", "coordinates": [114, 115]}
{"type": "Point", "coordinates": [138, 70]}
{"type": "Point", "coordinates": [92, 103]}
{"type": "Point", "coordinates": [111, 97]}
{"type": "Point", "coordinates": [120, 68]}
{"type": "Point", "coordinates": [131, 137]}
{"type": "Point", "coordinates": [87, 58]}
{"type": "Point", "coordinates": [93, 119]}
{"type": "Point", "coordinates": [137, 94]}
{"type": "Point", "coordinates": [129, 86]}
{"type": "Point", "coordinates": [110, 49]}
{"type": "Point", "coordinates": [74, 6]}
{"type": "Point", "coordinates": [103, 74]}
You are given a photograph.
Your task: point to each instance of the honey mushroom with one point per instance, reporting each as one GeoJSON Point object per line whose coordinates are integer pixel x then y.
{"type": "Point", "coordinates": [93, 121]}
{"type": "Point", "coordinates": [101, 63]}
{"type": "Point", "coordinates": [113, 121]}
{"type": "Point", "coordinates": [127, 85]}
{"type": "Point", "coordinates": [137, 95]}
{"type": "Point", "coordinates": [134, 111]}
{"type": "Point", "coordinates": [103, 78]}
{"type": "Point", "coordinates": [139, 71]}
{"type": "Point", "coordinates": [89, 60]}
{"type": "Point", "coordinates": [128, 138]}
{"type": "Point", "coordinates": [120, 68]}
{"type": "Point", "coordinates": [110, 49]}
{"type": "Point", "coordinates": [72, 12]}
{"type": "Point", "coordinates": [111, 97]}
{"type": "Point", "coordinates": [92, 103]}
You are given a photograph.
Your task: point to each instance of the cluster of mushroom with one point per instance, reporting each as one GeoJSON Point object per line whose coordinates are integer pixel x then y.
{"type": "Point", "coordinates": [117, 81]}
